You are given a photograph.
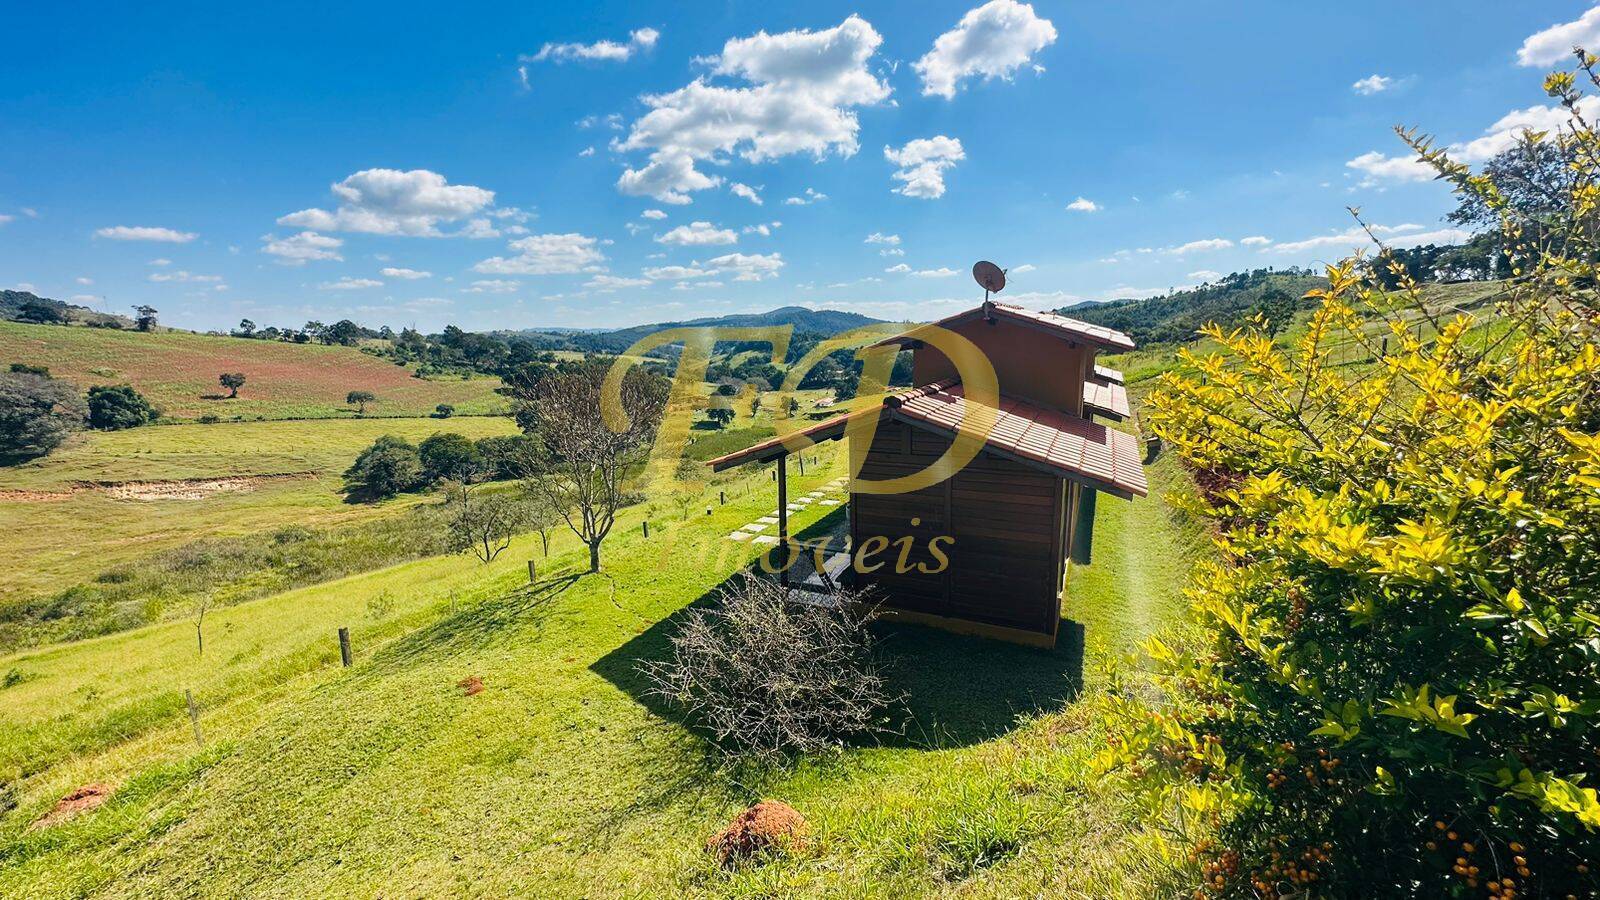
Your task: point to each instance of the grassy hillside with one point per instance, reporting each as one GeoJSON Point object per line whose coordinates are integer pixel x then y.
{"type": "Point", "coordinates": [109, 497]}
{"type": "Point", "coordinates": [563, 778]}
{"type": "Point", "coordinates": [178, 372]}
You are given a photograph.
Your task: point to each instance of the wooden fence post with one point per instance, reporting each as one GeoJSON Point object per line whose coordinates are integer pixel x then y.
{"type": "Point", "coordinates": [722, 497]}
{"type": "Point", "coordinates": [344, 646]}
{"type": "Point", "coordinates": [533, 574]}
{"type": "Point", "coordinates": [647, 528]}
{"type": "Point", "coordinates": [194, 715]}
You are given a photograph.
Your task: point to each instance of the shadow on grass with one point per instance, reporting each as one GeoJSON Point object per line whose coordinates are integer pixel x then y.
{"type": "Point", "coordinates": [957, 690]}
{"type": "Point", "coordinates": [476, 624]}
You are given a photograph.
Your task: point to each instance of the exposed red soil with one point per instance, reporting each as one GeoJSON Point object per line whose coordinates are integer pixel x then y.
{"type": "Point", "coordinates": [770, 826]}
{"type": "Point", "coordinates": [79, 801]}
{"type": "Point", "coordinates": [470, 686]}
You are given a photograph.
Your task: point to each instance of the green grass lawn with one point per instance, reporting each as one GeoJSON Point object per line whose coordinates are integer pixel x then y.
{"type": "Point", "coordinates": [563, 778]}
{"type": "Point", "coordinates": [178, 371]}
{"type": "Point", "coordinates": [68, 533]}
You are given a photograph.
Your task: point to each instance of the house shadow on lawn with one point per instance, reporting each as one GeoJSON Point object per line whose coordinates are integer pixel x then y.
{"type": "Point", "coordinates": [955, 690]}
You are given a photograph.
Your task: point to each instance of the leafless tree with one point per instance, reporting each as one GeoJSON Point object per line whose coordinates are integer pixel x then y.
{"type": "Point", "coordinates": [201, 604]}
{"type": "Point", "coordinates": [542, 516]}
{"type": "Point", "coordinates": [574, 458]}
{"type": "Point", "coordinates": [481, 522]}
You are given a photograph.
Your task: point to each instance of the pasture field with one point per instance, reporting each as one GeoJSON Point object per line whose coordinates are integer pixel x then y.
{"type": "Point", "coordinates": [109, 497]}
{"type": "Point", "coordinates": [178, 371]}
{"type": "Point", "coordinates": [565, 777]}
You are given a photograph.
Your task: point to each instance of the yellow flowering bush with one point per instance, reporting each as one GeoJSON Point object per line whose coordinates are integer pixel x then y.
{"type": "Point", "coordinates": [1397, 691]}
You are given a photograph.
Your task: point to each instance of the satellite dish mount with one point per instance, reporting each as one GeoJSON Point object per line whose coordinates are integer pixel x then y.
{"type": "Point", "coordinates": [991, 278]}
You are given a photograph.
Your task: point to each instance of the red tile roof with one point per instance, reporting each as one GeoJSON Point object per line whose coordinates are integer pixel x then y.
{"type": "Point", "coordinates": [1106, 398]}
{"type": "Point", "coordinates": [1075, 448]}
{"type": "Point", "coordinates": [1072, 447]}
{"type": "Point", "coordinates": [1095, 334]}
{"type": "Point", "coordinates": [1062, 325]}
{"type": "Point", "coordinates": [1106, 373]}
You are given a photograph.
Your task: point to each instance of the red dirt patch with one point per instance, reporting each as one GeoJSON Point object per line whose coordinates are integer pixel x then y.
{"type": "Point", "coordinates": [770, 826]}
{"type": "Point", "coordinates": [470, 686]}
{"type": "Point", "coordinates": [79, 801]}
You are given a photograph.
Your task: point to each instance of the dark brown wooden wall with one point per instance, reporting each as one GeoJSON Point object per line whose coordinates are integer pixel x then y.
{"type": "Point", "coordinates": [1009, 525]}
{"type": "Point", "coordinates": [1030, 364]}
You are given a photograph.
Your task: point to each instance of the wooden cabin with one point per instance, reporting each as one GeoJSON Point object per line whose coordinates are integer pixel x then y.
{"type": "Point", "coordinates": [1015, 516]}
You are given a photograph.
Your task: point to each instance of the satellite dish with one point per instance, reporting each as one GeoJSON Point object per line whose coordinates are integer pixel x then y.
{"type": "Point", "coordinates": [989, 276]}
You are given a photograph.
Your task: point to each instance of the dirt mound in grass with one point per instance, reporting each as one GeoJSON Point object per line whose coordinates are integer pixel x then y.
{"type": "Point", "coordinates": [79, 801]}
{"type": "Point", "coordinates": [470, 686]}
{"type": "Point", "coordinates": [770, 826]}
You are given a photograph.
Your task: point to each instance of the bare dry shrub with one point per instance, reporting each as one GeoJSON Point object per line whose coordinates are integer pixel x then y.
{"type": "Point", "coordinates": [769, 677]}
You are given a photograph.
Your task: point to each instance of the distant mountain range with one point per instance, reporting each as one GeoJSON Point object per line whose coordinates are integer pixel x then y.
{"type": "Point", "coordinates": [818, 321]}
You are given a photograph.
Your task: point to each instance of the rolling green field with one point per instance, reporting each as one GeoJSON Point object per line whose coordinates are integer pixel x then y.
{"type": "Point", "coordinates": [109, 497]}
{"type": "Point", "coordinates": [565, 778]}
{"type": "Point", "coordinates": [178, 371]}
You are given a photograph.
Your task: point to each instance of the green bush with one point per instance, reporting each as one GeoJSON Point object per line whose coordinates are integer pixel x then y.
{"type": "Point", "coordinates": [449, 455]}
{"type": "Point", "coordinates": [119, 407]}
{"type": "Point", "coordinates": [388, 467]}
{"type": "Point", "coordinates": [1399, 687]}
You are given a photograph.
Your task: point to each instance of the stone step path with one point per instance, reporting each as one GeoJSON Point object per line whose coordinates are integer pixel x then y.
{"type": "Point", "coordinates": [828, 495]}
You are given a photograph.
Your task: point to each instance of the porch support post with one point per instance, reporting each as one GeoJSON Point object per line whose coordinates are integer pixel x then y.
{"type": "Point", "coordinates": [783, 515]}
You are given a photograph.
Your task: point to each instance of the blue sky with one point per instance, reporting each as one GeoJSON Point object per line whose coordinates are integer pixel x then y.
{"type": "Point", "coordinates": [427, 165]}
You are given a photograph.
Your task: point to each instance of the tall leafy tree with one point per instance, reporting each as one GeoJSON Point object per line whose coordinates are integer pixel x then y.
{"type": "Point", "coordinates": [37, 413]}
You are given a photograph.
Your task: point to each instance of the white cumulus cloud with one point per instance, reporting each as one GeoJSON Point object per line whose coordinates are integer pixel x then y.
{"type": "Point", "coordinates": [599, 51]}
{"type": "Point", "coordinates": [1255, 240]}
{"type": "Point", "coordinates": [746, 191]}
{"type": "Point", "coordinates": [350, 284]}
{"type": "Point", "coordinates": [546, 254]}
{"type": "Point", "coordinates": [801, 89]}
{"type": "Point", "coordinates": [1350, 240]}
{"type": "Point", "coordinates": [492, 285]}
{"type": "Point", "coordinates": [653, 214]}
{"type": "Point", "coordinates": [145, 233]}
{"type": "Point", "coordinates": [810, 196]}
{"type": "Point", "coordinates": [1499, 137]}
{"type": "Point", "coordinates": [388, 201]}
{"type": "Point", "coordinates": [676, 273]}
{"type": "Point", "coordinates": [922, 164]}
{"type": "Point", "coordinates": [991, 41]}
{"type": "Point", "coordinates": [878, 237]}
{"type": "Point", "coordinates": [1372, 84]}
{"type": "Point", "coordinates": [182, 276]}
{"type": "Point", "coordinates": [748, 267]}
{"type": "Point", "coordinates": [298, 249]}
{"type": "Point", "coordinates": [1556, 42]}
{"type": "Point", "coordinates": [612, 282]}
{"type": "Point", "coordinates": [406, 274]}
{"type": "Point", "coordinates": [698, 234]}
{"type": "Point", "coordinates": [1205, 245]}
{"type": "Point", "coordinates": [1084, 204]}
